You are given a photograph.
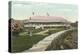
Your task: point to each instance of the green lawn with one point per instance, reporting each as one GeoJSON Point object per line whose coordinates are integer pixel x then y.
{"type": "Point", "coordinates": [51, 31]}
{"type": "Point", "coordinates": [23, 41]}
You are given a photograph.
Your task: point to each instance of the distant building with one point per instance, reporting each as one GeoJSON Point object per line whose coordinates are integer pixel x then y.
{"type": "Point", "coordinates": [46, 21]}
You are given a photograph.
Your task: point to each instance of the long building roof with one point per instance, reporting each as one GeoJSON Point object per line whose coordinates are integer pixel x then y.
{"type": "Point", "coordinates": [47, 19]}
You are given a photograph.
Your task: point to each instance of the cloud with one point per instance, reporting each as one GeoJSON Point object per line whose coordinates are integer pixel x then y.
{"type": "Point", "coordinates": [16, 4]}
{"type": "Point", "coordinates": [67, 10]}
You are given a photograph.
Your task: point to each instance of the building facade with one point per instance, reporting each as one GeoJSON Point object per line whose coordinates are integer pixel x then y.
{"type": "Point", "coordinates": [46, 21]}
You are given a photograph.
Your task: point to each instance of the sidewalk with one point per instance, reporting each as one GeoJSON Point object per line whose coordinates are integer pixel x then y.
{"type": "Point", "coordinates": [42, 32]}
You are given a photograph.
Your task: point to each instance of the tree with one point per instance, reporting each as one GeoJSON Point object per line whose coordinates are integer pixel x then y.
{"type": "Point", "coordinates": [16, 26]}
{"type": "Point", "coordinates": [74, 24]}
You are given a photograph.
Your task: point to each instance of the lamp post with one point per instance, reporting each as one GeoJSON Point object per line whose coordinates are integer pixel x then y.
{"type": "Point", "coordinates": [30, 30]}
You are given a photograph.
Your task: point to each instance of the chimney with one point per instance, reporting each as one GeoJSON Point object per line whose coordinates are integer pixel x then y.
{"type": "Point", "coordinates": [29, 18]}
{"type": "Point", "coordinates": [33, 13]}
{"type": "Point", "coordinates": [47, 14]}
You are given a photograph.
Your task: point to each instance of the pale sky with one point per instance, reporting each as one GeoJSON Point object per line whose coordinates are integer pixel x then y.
{"type": "Point", "coordinates": [22, 10]}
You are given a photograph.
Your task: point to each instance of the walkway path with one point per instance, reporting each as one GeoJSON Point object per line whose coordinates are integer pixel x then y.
{"type": "Point", "coordinates": [42, 32]}
{"type": "Point", "coordinates": [43, 44]}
